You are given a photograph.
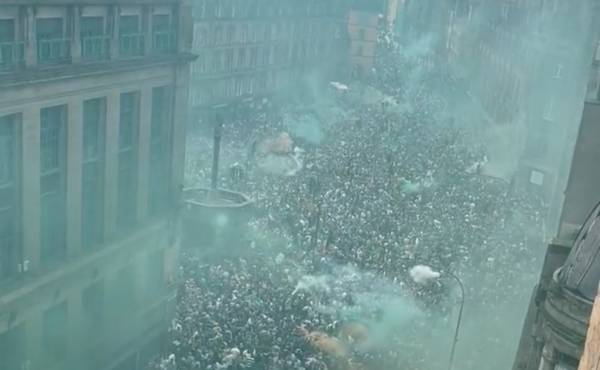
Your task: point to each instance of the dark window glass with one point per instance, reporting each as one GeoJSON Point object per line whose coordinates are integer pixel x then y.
{"type": "Point", "coordinates": [7, 30]}
{"type": "Point", "coordinates": [54, 335]}
{"type": "Point", "coordinates": [92, 26]}
{"type": "Point", "coordinates": [129, 24]}
{"type": "Point", "coordinates": [49, 28]}
{"type": "Point", "coordinates": [127, 178]}
{"type": "Point", "coordinates": [159, 149]}
{"type": "Point", "coordinates": [92, 211]}
{"type": "Point", "coordinates": [12, 348]}
{"type": "Point", "coordinates": [52, 187]}
{"type": "Point", "coordinates": [9, 213]}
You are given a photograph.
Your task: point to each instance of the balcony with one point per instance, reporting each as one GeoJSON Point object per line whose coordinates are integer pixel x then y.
{"type": "Point", "coordinates": [11, 54]}
{"type": "Point", "coordinates": [54, 51]}
{"type": "Point", "coordinates": [131, 45]}
{"type": "Point", "coordinates": [94, 48]}
{"type": "Point", "coordinates": [163, 42]}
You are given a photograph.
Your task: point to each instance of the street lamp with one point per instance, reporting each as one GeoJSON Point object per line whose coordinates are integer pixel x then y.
{"type": "Point", "coordinates": [423, 275]}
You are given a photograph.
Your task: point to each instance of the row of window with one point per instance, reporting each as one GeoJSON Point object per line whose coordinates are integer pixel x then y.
{"type": "Point", "coordinates": [208, 9]}
{"type": "Point", "coordinates": [54, 40]}
{"type": "Point", "coordinates": [53, 175]}
{"type": "Point", "coordinates": [239, 59]}
{"type": "Point", "coordinates": [98, 318]}
{"type": "Point", "coordinates": [219, 90]}
{"type": "Point", "coordinates": [256, 32]}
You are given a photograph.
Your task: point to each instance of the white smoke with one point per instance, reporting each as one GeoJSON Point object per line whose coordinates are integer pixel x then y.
{"type": "Point", "coordinates": [422, 274]}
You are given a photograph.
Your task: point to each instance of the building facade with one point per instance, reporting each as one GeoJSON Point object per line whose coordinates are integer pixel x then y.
{"type": "Point", "coordinates": [524, 65]}
{"type": "Point", "coordinates": [93, 104]}
{"type": "Point", "coordinates": [366, 20]}
{"type": "Point", "coordinates": [255, 48]}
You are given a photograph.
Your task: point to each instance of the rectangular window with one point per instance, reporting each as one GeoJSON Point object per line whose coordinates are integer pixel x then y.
{"type": "Point", "coordinates": [92, 189]}
{"type": "Point", "coordinates": [9, 196]}
{"type": "Point", "coordinates": [12, 348]}
{"type": "Point", "coordinates": [241, 62]}
{"type": "Point", "coordinates": [160, 149]}
{"type": "Point", "coordinates": [92, 301]}
{"type": "Point", "coordinates": [154, 283]}
{"type": "Point", "coordinates": [131, 39]}
{"type": "Point", "coordinates": [53, 44]}
{"type": "Point", "coordinates": [95, 43]}
{"type": "Point", "coordinates": [7, 30]}
{"type": "Point", "coordinates": [128, 146]}
{"type": "Point", "coordinates": [49, 28]}
{"type": "Point", "coordinates": [52, 183]}
{"type": "Point", "coordinates": [93, 323]}
{"type": "Point", "coordinates": [11, 51]}
{"type": "Point", "coordinates": [123, 300]}
{"type": "Point", "coordinates": [54, 336]}
{"type": "Point", "coordinates": [163, 37]}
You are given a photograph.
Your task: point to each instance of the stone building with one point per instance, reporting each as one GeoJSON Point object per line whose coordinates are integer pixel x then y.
{"type": "Point", "coordinates": [555, 327]}
{"type": "Point", "coordinates": [524, 65]}
{"type": "Point", "coordinates": [93, 99]}
{"type": "Point", "coordinates": [255, 48]}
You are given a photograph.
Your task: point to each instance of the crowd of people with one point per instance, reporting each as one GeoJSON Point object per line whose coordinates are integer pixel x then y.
{"type": "Point", "coordinates": [391, 185]}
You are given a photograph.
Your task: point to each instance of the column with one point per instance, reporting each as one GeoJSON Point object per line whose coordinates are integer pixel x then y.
{"type": "Point", "coordinates": [74, 173]}
{"type": "Point", "coordinates": [75, 13]}
{"type": "Point", "coordinates": [179, 118]}
{"type": "Point", "coordinates": [30, 154]}
{"type": "Point", "coordinates": [30, 37]}
{"type": "Point", "coordinates": [144, 151]}
{"type": "Point", "coordinates": [111, 169]}
{"type": "Point", "coordinates": [549, 359]}
{"type": "Point", "coordinates": [147, 29]}
{"type": "Point", "coordinates": [114, 31]}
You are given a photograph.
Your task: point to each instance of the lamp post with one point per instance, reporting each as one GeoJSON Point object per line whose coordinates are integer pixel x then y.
{"type": "Point", "coordinates": [425, 274]}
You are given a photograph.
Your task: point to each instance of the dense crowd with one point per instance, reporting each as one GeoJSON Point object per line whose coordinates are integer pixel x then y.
{"type": "Point", "coordinates": [392, 184]}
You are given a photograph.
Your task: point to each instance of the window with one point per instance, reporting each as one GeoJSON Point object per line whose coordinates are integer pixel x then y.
{"type": "Point", "coordinates": [7, 30]}
{"type": "Point", "coordinates": [52, 42]}
{"type": "Point", "coordinates": [253, 57]}
{"type": "Point", "coordinates": [163, 37]}
{"type": "Point", "coordinates": [92, 301]}
{"type": "Point", "coordinates": [154, 283]}
{"type": "Point", "coordinates": [238, 87]}
{"type": "Point", "coordinates": [200, 63]}
{"type": "Point", "coordinates": [230, 34]}
{"type": "Point", "coordinates": [244, 33]}
{"type": "Point", "coordinates": [160, 150]}
{"type": "Point", "coordinates": [52, 187]}
{"type": "Point", "coordinates": [362, 34]}
{"type": "Point", "coordinates": [11, 51]}
{"type": "Point", "coordinates": [228, 59]}
{"type": "Point", "coordinates": [218, 35]}
{"type": "Point", "coordinates": [241, 62]}
{"type": "Point", "coordinates": [54, 335]}
{"type": "Point", "coordinates": [95, 44]}
{"type": "Point", "coordinates": [123, 294]}
{"type": "Point", "coordinates": [9, 203]}
{"type": "Point", "coordinates": [92, 203]}
{"type": "Point", "coordinates": [93, 323]}
{"type": "Point", "coordinates": [12, 348]}
{"type": "Point", "coordinates": [128, 146]}
{"type": "Point", "coordinates": [217, 61]}
{"type": "Point", "coordinates": [131, 40]}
